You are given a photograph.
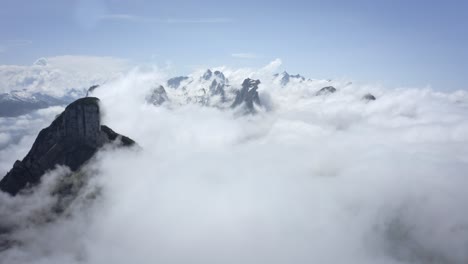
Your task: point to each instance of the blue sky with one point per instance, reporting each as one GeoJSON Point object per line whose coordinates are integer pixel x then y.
{"type": "Point", "coordinates": [397, 43]}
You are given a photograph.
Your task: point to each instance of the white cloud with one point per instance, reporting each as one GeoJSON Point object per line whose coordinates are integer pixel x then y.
{"type": "Point", "coordinates": [122, 17]}
{"type": "Point", "coordinates": [56, 75]}
{"type": "Point", "coordinates": [329, 179]}
{"type": "Point", "coordinates": [146, 19]}
{"type": "Point", "coordinates": [212, 20]}
{"type": "Point", "coordinates": [273, 66]}
{"type": "Point", "coordinates": [244, 55]}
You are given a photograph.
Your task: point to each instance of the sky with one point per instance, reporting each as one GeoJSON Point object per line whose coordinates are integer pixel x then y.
{"type": "Point", "coordinates": [395, 43]}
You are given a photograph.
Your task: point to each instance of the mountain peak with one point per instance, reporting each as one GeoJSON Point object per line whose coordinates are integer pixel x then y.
{"type": "Point", "coordinates": [248, 95]}
{"type": "Point", "coordinates": [207, 75]}
{"type": "Point", "coordinates": [71, 140]}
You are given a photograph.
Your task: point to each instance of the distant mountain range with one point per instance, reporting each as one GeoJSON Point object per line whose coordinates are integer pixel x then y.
{"type": "Point", "coordinates": [211, 88]}
{"type": "Point", "coordinates": [16, 103]}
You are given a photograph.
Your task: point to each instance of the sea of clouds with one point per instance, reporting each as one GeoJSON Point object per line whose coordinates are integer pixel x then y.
{"type": "Point", "coordinates": [311, 179]}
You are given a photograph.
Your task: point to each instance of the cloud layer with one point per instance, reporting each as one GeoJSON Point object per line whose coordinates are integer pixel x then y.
{"type": "Point", "coordinates": [325, 179]}
{"type": "Point", "coordinates": [58, 75]}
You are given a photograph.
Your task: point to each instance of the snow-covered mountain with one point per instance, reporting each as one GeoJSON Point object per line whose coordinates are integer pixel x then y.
{"type": "Point", "coordinates": [214, 89]}
{"type": "Point", "coordinates": [285, 78]}
{"type": "Point", "coordinates": [21, 102]}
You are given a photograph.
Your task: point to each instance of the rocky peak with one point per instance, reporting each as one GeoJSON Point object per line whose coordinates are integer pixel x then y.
{"type": "Point", "coordinates": [326, 90]}
{"type": "Point", "coordinates": [285, 77]}
{"type": "Point", "coordinates": [158, 96]}
{"type": "Point", "coordinates": [71, 140]}
{"type": "Point", "coordinates": [176, 81]}
{"type": "Point", "coordinates": [368, 97]}
{"type": "Point", "coordinates": [220, 76]}
{"type": "Point", "coordinates": [207, 75]}
{"type": "Point", "coordinates": [248, 95]}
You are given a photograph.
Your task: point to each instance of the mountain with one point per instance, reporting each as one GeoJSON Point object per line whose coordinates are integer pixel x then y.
{"type": "Point", "coordinates": [368, 97]}
{"type": "Point", "coordinates": [211, 88]}
{"type": "Point", "coordinates": [71, 140]}
{"type": "Point", "coordinates": [248, 96]}
{"type": "Point", "coordinates": [158, 96]}
{"type": "Point", "coordinates": [284, 78]}
{"type": "Point", "coordinates": [176, 81]}
{"type": "Point", "coordinates": [326, 90]}
{"type": "Point", "coordinates": [16, 103]}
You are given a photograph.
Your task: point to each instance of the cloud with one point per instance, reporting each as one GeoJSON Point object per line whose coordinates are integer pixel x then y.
{"type": "Point", "coordinates": [326, 179]}
{"type": "Point", "coordinates": [244, 55]}
{"type": "Point", "coordinates": [146, 19]}
{"type": "Point", "coordinates": [213, 20]}
{"type": "Point", "coordinates": [57, 75]}
{"type": "Point", "coordinates": [273, 66]}
{"type": "Point", "coordinates": [122, 17]}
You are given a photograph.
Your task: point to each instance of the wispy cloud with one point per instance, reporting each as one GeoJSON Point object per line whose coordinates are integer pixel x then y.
{"type": "Point", "coordinates": [137, 18]}
{"type": "Point", "coordinates": [244, 55]}
{"type": "Point", "coordinates": [217, 20]}
{"type": "Point", "coordinates": [121, 17]}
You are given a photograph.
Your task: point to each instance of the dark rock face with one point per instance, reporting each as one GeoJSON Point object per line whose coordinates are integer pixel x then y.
{"type": "Point", "coordinates": [176, 81]}
{"type": "Point", "coordinates": [220, 76]}
{"type": "Point", "coordinates": [71, 140]}
{"type": "Point", "coordinates": [285, 79]}
{"type": "Point", "coordinates": [207, 75]}
{"type": "Point", "coordinates": [368, 97]}
{"type": "Point", "coordinates": [248, 95]}
{"type": "Point", "coordinates": [218, 84]}
{"type": "Point", "coordinates": [158, 96]}
{"type": "Point", "coordinates": [326, 90]}
{"type": "Point", "coordinates": [217, 89]}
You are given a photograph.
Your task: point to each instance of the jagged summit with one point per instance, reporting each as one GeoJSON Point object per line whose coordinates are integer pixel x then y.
{"type": "Point", "coordinates": [176, 81]}
{"type": "Point", "coordinates": [207, 75]}
{"type": "Point", "coordinates": [158, 96]}
{"type": "Point", "coordinates": [248, 95]}
{"type": "Point", "coordinates": [71, 140]}
{"type": "Point", "coordinates": [285, 78]}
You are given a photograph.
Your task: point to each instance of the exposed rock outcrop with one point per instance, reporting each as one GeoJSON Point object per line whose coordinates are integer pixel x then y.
{"type": "Point", "coordinates": [158, 96]}
{"type": "Point", "coordinates": [207, 75]}
{"type": "Point", "coordinates": [368, 97]}
{"type": "Point", "coordinates": [286, 77]}
{"type": "Point", "coordinates": [176, 81]}
{"type": "Point", "coordinates": [71, 140]}
{"type": "Point", "coordinates": [326, 90]}
{"type": "Point", "coordinates": [248, 95]}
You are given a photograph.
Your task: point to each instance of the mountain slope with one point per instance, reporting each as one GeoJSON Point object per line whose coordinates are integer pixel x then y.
{"type": "Point", "coordinates": [71, 140]}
